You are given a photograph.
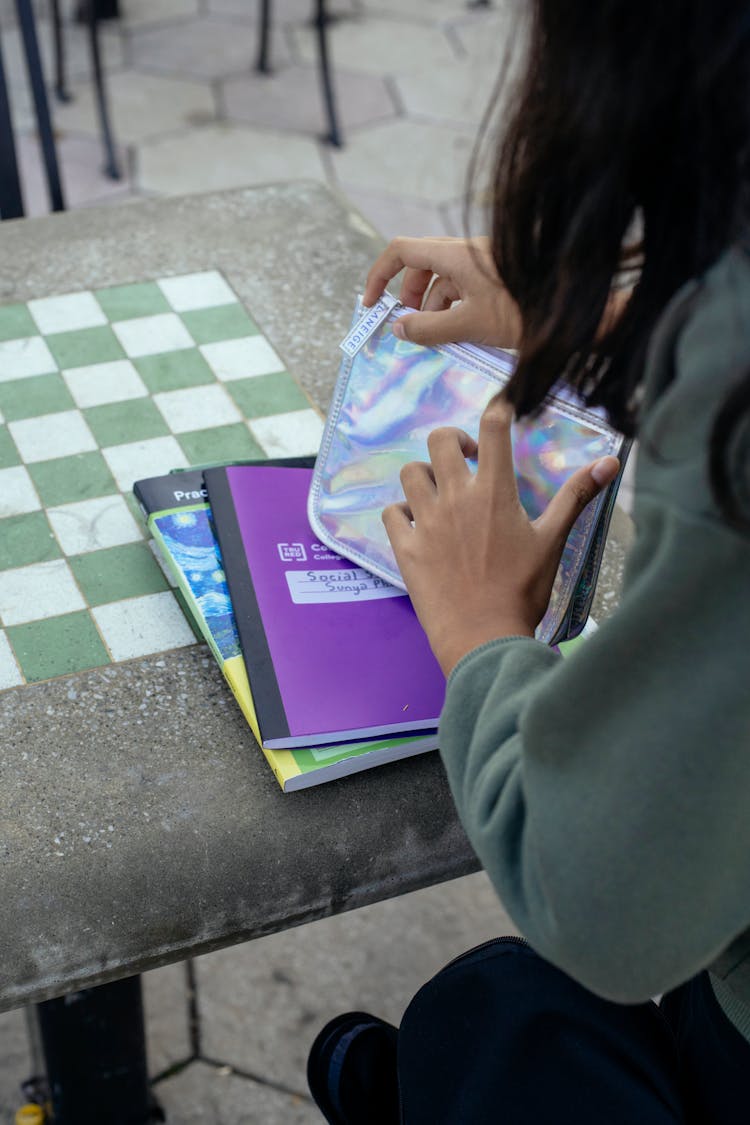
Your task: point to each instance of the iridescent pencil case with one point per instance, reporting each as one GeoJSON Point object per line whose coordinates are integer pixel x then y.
{"type": "Point", "coordinates": [391, 393]}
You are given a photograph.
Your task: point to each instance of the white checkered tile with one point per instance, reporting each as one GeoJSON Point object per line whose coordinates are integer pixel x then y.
{"type": "Point", "coordinates": [9, 673]}
{"type": "Point", "coordinates": [20, 359]}
{"type": "Point", "coordinates": [17, 492]}
{"type": "Point", "coordinates": [32, 593]}
{"type": "Point", "coordinates": [197, 408]}
{"type": "Point", "coordinates": [241, 359]}
{"type": "Point", "coordinates": [141, 626]}
{"type": "Point", "coordinates": [151, 335]}
{"type": "Point", "coordinates": [102, 383]}
{"type": "Point", "coordinates": [288, 435]}
{"type": "Point", "coordinates": [52, 435]}
{"type": "Point", "coordinates": [67, 313]}
{"type": "Point", "coordinates": [92, 525]}
{"type": "Point", "coordinates": [197, 291]}
{"type": "Point", "coordinates": [137, 460]}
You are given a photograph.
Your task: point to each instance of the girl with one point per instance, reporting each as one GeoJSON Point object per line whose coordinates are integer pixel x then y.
{"type": "Point", "coordinates": [607, 795]}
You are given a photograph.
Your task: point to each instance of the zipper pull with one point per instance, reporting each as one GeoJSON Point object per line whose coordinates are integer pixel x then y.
{"type": "Point", "coordinates": [367, 324]}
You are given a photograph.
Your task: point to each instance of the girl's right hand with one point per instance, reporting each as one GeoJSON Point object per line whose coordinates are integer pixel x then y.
{"type": "Point", "coordinates": [439, 272]}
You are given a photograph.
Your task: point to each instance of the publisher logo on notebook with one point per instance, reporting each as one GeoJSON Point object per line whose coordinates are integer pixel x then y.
{"type": "Point", "coordinates": [292, 552]}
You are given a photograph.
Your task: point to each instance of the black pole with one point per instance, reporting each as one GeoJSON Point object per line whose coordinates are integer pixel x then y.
{"type": "Point", "coordinates": [321, 22]}
{"type": "Point", "coordinates": [264, 64]}
{"type": "Point", "coordinates": [110, 162]}
{"type": "Point", "coordinates": [38, 88]}
{"type": "Point", "coordinates": [11, 201]}
{"type": "Point", "coordinates": [60, 86]}
{"type": "Point", "coordinates": [95, 1055]}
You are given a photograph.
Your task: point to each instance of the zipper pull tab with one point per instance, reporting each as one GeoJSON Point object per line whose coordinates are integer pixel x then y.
{"type": "Point", "coordinates": [366, 325]}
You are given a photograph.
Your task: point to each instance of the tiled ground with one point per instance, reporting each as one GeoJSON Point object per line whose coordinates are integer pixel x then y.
{"type": "Point", "coordinates": [191, 114]}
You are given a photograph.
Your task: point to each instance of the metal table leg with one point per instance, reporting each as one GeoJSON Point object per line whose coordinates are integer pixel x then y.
{"type": "Point", "coordinates": [11, 201]}
{"type": "Point", "coordinates": [263, 64]}
{"type": "Point", "coordinates": [110, 165]}
{"type": "Point", "coordinates": [39, 91]}
{"type": "Point", "coordinates": [61, 90]}
{"type": "Point", "coordinates": [334, 132]}
{"type": "Point", "coordinates": [95, 1056]}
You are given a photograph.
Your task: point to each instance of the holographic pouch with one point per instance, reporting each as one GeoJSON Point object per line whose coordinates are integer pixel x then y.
{"type": "Point", "coordinates": [391, 393]}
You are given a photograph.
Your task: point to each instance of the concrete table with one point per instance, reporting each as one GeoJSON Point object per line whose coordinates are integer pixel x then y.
{"type": "Point", "coordinates": [204, 849]}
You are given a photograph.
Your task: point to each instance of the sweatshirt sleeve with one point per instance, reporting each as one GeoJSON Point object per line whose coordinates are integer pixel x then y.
{"type": "Point", "coordinates": [608, 794]}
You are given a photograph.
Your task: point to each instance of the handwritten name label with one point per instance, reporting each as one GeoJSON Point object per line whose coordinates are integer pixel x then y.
{"type": "Point", "coordinates": [320, 587]}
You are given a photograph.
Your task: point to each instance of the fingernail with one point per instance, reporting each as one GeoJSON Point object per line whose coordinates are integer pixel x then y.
{"type": "Point", "coordinates": [605, 470]}
{"type": "Point", "coordinates": [398, 330]}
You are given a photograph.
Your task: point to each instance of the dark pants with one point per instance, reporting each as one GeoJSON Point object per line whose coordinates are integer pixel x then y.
{"type": "Point", "coordinates": [502, 1037]}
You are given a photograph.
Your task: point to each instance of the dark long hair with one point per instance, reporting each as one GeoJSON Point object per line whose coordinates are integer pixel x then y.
{"type": "Point", "coordinates": [625, 108]}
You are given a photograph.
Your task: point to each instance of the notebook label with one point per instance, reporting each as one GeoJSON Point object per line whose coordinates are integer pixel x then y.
{"type": "Point", "coordinates": [321, 587]}
{"type": "Point", "coordinates": [366, 325]}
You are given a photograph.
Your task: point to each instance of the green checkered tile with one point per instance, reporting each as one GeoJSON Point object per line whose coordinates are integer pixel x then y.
{"type": "Point", "coordinates": [26, 539]}
{"type": "Point", "coordinates": [66, 479]}
{"type": "Point", "coordinates": [121, 422]}
{"type": "Point", "coordinates": [123, 302]}
{"type": "Point", "coordinates": [84, 347]}
{"type": "Point", "coordinates": [119, 572]}
{"type": "Point", "coordinates": [224, 443]}
{"type": "Point", "coordinates": [57, 646]}
{"type": "Point", "coordinates": [227, 322]}
{"type": "Point", "coordinates": [171, 371]}
{"type": "Point", "coordinates": [80, 421]}
{"type": "Point", "coordinates": [27, 398]}
{"type": "Point", "coordinates": [268, 394]}
{"type": "Point", "coordinates": [8, 453]}
{"type": "Point", "coordinates": [16, 323]}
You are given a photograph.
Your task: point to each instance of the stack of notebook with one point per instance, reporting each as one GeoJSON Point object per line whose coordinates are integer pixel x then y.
{"type": "Point", "coordinates": [328, 663]}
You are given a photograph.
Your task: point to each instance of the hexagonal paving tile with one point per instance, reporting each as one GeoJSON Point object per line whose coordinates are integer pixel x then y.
{"type": "Point", "coordinates": [142, 106]}
{"type": "Point", "coordinates": [139, 13]}
{"type": "Point", "coordinates": [425, 162]}
{"type": "Point", "coordinates": [81, 161]}
{"type": "Point", "coordinates": [284, 11]}
{"type": "Point", "coordinates": [291, 99]}
{"type": "Point", "coordinates": [212, 1095]}
{"type": "Point", "coordinates": [207, 47]}
{"type": "Point", "coordinates": [379, 46]}
{"type": "Point", "coordinates": [224, 156]}
{"type": "Point", "coordinates": [430, 11]}
{"type": "Point", "coordinates": [459, 92]}
{"type": "Point", "coordinates": [482, 36]}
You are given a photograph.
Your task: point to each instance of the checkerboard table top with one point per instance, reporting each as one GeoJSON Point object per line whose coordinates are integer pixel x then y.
{"type": "Point", "coordinates": [99, 389]}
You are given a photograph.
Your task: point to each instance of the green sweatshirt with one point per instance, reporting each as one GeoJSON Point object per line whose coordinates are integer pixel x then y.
{"type": "Point", "coordinates": [608, 794]}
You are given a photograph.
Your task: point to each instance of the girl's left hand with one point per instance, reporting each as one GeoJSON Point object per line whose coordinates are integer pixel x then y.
{"type": "Point", "coordinates": [476, 567]}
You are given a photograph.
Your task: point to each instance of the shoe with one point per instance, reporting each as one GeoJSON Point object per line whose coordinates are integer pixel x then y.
{"type": "Point", "coordinates": [351, 1071]}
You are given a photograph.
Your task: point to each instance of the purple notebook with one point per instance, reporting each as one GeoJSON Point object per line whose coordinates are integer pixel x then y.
{"type": "Point", "coordinates": [332, 652]}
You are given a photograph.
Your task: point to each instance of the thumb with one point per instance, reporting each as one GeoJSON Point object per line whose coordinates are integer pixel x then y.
{"type": "Point", "coordinates": [428, 328]}
{"type": "Point", "coordinates": [578, 491]}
